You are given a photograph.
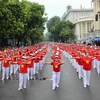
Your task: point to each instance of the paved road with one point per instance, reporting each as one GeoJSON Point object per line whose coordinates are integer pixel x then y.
{"type": "Point", "coordinates": [71, 88]}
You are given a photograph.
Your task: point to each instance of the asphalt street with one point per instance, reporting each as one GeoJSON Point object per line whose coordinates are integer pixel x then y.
{"type": "Point", "coordinates": [71, 88]}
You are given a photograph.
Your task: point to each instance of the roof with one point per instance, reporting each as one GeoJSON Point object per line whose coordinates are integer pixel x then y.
{"type": "Point", "coordinates": [76, 10]}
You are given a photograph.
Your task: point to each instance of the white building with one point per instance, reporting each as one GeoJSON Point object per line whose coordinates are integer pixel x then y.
{"type": "Point", "coordinates": [74, 14]}
{"type": "Point", "coordinates": [83, 27]}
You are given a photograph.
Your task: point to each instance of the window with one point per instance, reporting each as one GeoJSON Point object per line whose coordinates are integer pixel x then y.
{"type": "Point", "coordinates": [80, 27]}
{"type": "Point", "coordinates": [89, 26]}
{"type": "Point", "coordinates": [83, 28]}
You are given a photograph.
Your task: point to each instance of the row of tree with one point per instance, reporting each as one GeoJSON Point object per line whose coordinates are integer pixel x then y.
{"type": "Point", "coordinates": [59, 30]}
{"type": "Point", "coordinates": [21, 20]}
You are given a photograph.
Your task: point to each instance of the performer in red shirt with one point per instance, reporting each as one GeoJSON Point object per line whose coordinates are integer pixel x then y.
{"type": "Point", "coordinates": [79, 65]}
{"type": "Point", "coordinates": [98, 63]}
{"type": "Point", "coordinates": [41, 61]}
{"type": "Point", "coordinates": [36, 64]}
{"type": "Point", "coordinates": [12, 64]}
{"type": "Point", "coordinates": [0, 61]}
{"type": "Point", "coordinates": [30, 67]}
{"type": "Point", "coordinates": [56, 63]}
{"type": "Point", "coordinates": [5, 67]}
{"type": "Point", "coordinates": [23, 70]}
{"type": "Point", "coordinates": [87, 66]}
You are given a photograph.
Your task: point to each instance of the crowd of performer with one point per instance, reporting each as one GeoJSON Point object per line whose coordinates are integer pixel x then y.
{"type": "Point", "coordinates": [83, 58]}
{"type": "Point", "coordinates": [25, 62]}
{"type": "Point", "coordinates": [29, 60]}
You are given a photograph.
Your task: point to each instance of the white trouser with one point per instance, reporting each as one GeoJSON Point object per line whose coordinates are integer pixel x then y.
{"type": "Point", "coordinates": [36, 68]}
{"type": "Point", "coordinates": [80, 71]}
{"type": "Point", "coordinates": [69, 57]}
{"type": "Point", "coordinates": [98, 67]}
{"type": "Point", "coordinates": [30, 73]}
{"type": "Point", "coordinates": [63, 52]}
{"type": "Point", "coordinates": [55, 79]}
{"type": "Point", "coordinates": [41, 64]}
{"type": "Point", "coordinates": [86, 77]}
{"type": "Point", "coordinates": [5, 71]}
{"type": "Point", "coordinates": [13, 68]}
{"type": "Point", "coordinates": [74, 63]}
{"type": "Point", "coordinates": [44, 58]}
{"type": "Point", "coordinates": [66, 54]}
{"type": "Point", "coordinates": [77, 67]}
{"type": "Point", "coordinates": [22, 80]}
{"type": "Point", "coordinates": [94, 63]}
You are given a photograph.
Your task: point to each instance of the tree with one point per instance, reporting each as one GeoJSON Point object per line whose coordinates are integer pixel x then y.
{"type": "Point", "coordinates": [60, 30]}
{"type": "Point", "coordinates": [19, 19]}
{"type": "Point", "coordinates": [52, 22]}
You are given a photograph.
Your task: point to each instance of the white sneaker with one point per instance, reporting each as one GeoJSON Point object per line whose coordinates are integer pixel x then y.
{"type": "Point", "coordinates": [24, 87]}
{"type": "Point", "coordinates": [57, 85]}
{"type": "Point", "coordinates": [53, 88]}
{"type": "Point", "coordinates": [2, 79]}
{"type": "Point", "coordinates": [19, 89]}
{"type": "Point", "coordinates": [28, 79]}
{"type": "Point", "coordinates": [84, 86]}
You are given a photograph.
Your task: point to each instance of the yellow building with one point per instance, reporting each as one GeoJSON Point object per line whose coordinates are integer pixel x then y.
{"type": "Point", "coordinates": [96, 4]}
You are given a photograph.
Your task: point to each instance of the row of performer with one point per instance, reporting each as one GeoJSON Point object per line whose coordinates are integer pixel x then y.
{"type": "Point", "coordinates": [26, 61]}
{"type": "Point", "coordinates": [29, 60]}
{"type": "Point", "coordinates": [83, 59]}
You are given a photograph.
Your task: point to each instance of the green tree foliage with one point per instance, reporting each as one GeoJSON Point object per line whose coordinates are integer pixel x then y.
{"type": "Point", "coordinates": [23, 21]}
{"type": "Point", "coordinates": [60, 30]}
{"type": "Point", "coordinates": [52, 22]}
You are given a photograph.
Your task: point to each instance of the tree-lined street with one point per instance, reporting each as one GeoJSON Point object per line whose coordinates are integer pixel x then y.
{"type": "Point", "coordinates": [71, 87]}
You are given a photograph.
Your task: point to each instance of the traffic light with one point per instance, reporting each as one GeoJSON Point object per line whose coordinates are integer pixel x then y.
{"type": "Point", "coordinates": [96, 17]}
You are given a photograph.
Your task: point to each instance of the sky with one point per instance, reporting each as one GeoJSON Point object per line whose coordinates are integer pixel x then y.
{"type": "Point", "coordinates": [58, 7]}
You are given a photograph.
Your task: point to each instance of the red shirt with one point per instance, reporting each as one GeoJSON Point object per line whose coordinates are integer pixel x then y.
{"type": "Point", "coordinates": [79, 60]}
{"type": "Point", "coordinates": [87, 63]}
{"type": "Point", "coordinates": [41, 56]}
{"type": "Point", "coordinates": [30, 60]}
{"type": "Point", "coordinates": [13, 59]}
{"type": "Point", "coordinates": [23, 68]}
{"type": "Point", "coordinates": [98, 57]}
{"type": "Point", "coordinates": [6, 62]}
{"type": "Point", "coordinates": [56, 66]}
{"type": "Point", "coordinates": [36, 59]}
{"type": "Point", "coordinates": [1, 59]}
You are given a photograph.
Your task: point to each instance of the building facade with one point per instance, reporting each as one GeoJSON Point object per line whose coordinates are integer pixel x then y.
{"type": "Point", "coordinates": [83, 27]}
{"type": "Point", "coordinates": [73, 15]}
{"type": "Point", "coordinates": [96, 24]}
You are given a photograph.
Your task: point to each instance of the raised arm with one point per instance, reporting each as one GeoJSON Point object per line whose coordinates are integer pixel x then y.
{"type": "Point", "coordinates": [60, 63]}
